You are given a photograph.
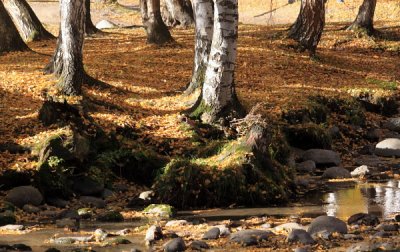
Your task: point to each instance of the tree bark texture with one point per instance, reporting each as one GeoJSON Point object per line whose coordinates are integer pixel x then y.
{"type": "Point", "coordinates": [10, 40]}
{"type": "Point", "coordinates": [219, 102]}
{"type": "Point", "coordinates": [157, 31]}
{"type": "Point", "coordinates": [26, 21]}
{"type": "Point", "coordinates": [307, 29]}
{"type": "Point", "coordinates": [365, 17]}
{"type": "Point", "coordinates": [204, 22]}
{"type": "Point", "coordinates": [90, 28]}
{"type": "Point", "coordinates": [67, 60]}
{"type": "Point", "coordinates": [177, 13]}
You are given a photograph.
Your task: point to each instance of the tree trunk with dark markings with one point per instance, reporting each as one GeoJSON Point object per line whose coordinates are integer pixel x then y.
{"type": "Point", "coordinates": [26, 21]}
{"type": "Point", "coordinates": [10, 40]}
{"type": "Point", "coordinates": [90, 28]}
{"type": "Point", "coordinates": [365, 17]}
{"type": "Point", "coordinates": [177, 13]}
{"type": "Point", "coordinates": [307, 29]}
{"type": "Point", "coordinates": [157, 31]}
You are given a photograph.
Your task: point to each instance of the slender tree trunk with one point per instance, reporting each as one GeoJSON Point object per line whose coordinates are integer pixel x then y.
{"type": "Point", "coordinates": [218, 102]}
{"type": "Point", "coordinates": [307, 29]}
{"type": "Point", "coordinates": [365, 17]}
{"type": "Point", "coordinates": [204, 21]}
{"type": "Point", "coordinates": [157, 31]}
{"type": "Point", "coordinates": [10, 40]}
{"type": "Point", "coordinates": [67, 60]}
{"type": "Point", "coordinates": [90, 28]}
{"type": "Point", "coordinates": [27, 23]}
{"type": "Point", "coordinates": [177, 13]}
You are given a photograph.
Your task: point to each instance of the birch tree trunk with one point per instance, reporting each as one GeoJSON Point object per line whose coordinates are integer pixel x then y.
{"type": "Point", "coordinates": [365, 17]}
{"type": "Point", "coordinates": [307, 29]}
{"type": "Point", "coordinates": [27, 23]}
{"type": "Point", "coordinates": [218, 102]}
{"type": "Point", "coordinates": [204, 22]}
{"type": "Point", "coordinates": [90, 28]}
{"type": "Point", "coordinates": [10, 40]}
{"type": "Point", "coordinates": [157, 31]}
{"type": "Point", "coordinates": [67, 60]}
{"type": "Point", "coordinates": [177, 13]}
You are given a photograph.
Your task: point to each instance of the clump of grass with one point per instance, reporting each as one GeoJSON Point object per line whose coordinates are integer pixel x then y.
{"type": "Point", "coordinates": [386, 85]}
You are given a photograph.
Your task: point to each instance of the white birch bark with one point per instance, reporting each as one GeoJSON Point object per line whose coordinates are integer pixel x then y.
{"type": "Point", "coordinates": [72, 29]}
{"type": "Point", "coordinates": [219, 95]}
{"type": "Point", "coordinates": [27, 23]}
{"type": "Point", "coordinates": [204, 22]}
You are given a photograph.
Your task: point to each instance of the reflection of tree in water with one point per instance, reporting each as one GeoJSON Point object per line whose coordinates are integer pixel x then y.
{"type": "Point", "coordinates": [381, 199]}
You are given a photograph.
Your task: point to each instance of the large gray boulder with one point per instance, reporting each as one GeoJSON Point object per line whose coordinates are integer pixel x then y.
{"type": "Point", "coordinates": [336, 173]}
{"type": "Point", "coordinates": [105, 24]}
{"type": "Point", "coordinates": [23, 195]}
{"type": "Point", "coordinates": [388, 148]}
{"type": "Point", "coordinates": [327, 223]}
{"type": "Point", "coordinates": [322, 157]}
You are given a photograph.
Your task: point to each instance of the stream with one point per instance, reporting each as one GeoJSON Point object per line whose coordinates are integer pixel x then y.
{"type": "Point", "coordinates": [342, 201]}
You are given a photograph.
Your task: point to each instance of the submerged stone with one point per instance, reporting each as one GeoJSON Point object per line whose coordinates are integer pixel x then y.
{"type": "Point", "coordinates": [327, 223]}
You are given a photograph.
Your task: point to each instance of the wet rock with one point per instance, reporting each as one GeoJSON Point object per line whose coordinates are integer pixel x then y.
{"type": "Point", "coordinates": [288, 227]}
{"type": "Point", "coordinates": [302, 182]}
{"type": "Point", "coordinates": [360, 171]}
{"type": "Point", "coordinates": [93, 201]}
{"type": "Point", "coordinates": [324, 234]}
{"type": "Point", "coordinates": [70, 214]}
{"type": "Point", "coordinates": [21, 247]}
{"type": "Point", "coordinates": [100, 235]}
{"type": "Point", "coordinates": [147, 195]}
{"type": "Point", "coordinates": [120, 188]}
{"type": "Point", "coordinates": [388, 227]}
{"type": "Point", "coordinates": [363, 219]}
{"type": "Point", "coordinates": [22, 195]}
{"type": "Point", "coordinates": [393, 124]}
{"type": "Point", "coordinates": [211, 234]}
{"type": "Point", "coordinates": [224, 231]}
{"type": "Point", "coordinates": [11, 227]}
{"type": "Point", "coordinates": [85, 213]}
{"type": "Point", "coordinates": [107, 193]}
{"type": "Point", "coordinates": [322, 157]}
{"type": "Point", "coordinates": [154, 233]}
{"type": "Point", "coordinates": [30, 208]}
{"type": "Point", "coordinates": [170, 235]}
{"type": "Point", "coordinates": [123, 232]}
{"type": "Point", "coordinates": [72, 224]}
{"type": "Point", "coordinates": [352, 237]}
{"type": "Point", "coordinates": [306, 166]}
{"type": "Point", "coordinates": [336, 173]}
{"type": "Point", "coordinates": [369, 160]}
{"type": "Point", "coordinates": [117, 241]}
{"type": "Point", "coordinates": [105, 24]}
{"type": "Point", "coordinates": [250, 237]}
{"type": "Point", "coordinates": [174, 223]}
{"type": "Point", "coordinates": [367, 247]}
{"type": "Point", "coordinates": [388, 148]}
{"type": "Point", "coordinates": [70, 240]}
{"type": "Point", "coordinates": [328, 223]}
{"type": "Point", "coordinates": [87, 187]}
{"type": "Point", "coordinates": [300, 235]}
{"type": "Point", "coordinates": [175, 245]}
{"type": "Point", "coordinates": [160, 210]}
{"type": "Point", "coordinates": [57, 202]}
{"type": "Point", "coordinates": [381, 234]}
{"type": "Point", "coordinates": [199, 245]}
{"type": "Point", "coordinates": [7, 217]}
{"type": "Point", "coordinates": [111, 216]}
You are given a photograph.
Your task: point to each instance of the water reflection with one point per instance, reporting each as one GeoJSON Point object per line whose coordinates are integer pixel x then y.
{"type": "Point", "coordinates": [380, 199]}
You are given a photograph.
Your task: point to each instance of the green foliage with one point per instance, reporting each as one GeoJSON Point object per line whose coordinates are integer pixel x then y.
{"type": "Point", "coordinates": [386, 85]}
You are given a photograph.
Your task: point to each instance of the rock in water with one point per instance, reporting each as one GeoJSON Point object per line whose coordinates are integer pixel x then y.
{"type": "Point", "coordinates": [175, 245]}
{"type": "Point", "coordinates": [363, 219]}
{"type": "Point", "coordinates": [154, 233]}
{"type": "Point", "coordinates": [160, 210]}
{"type": "Point", "coordinates": [212, 234]}
{"type": "Point", "coordinates": [388, 148]}
{"type": "Point", "coordinates": [87, 186]}
{"type": "Point", "coordinates": [250, 237]}
{"type": "Point", "coordinates": [105, 24]}
{"type": "Point", "coordinates": [306, 166]}
{"type": "Point", "coordinates": [322, 157]}
{"type": "Point", "coordinates": [360, 171]}
{"type": "Point", "coordinates": [300, 235]}
{"type": "Point", "coordinates": [336, 173]}
{"type": "Point", "coordinates": [23, 195]}
{"type": "Point", "coordinates": [327, 223]}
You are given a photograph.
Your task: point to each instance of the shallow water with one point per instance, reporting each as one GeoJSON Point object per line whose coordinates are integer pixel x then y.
{"type": "Point", "coordinates": [343, 200]}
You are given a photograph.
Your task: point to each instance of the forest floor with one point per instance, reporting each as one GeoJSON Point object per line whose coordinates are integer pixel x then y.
{"type": "Point", "coordinates": [144, 84]}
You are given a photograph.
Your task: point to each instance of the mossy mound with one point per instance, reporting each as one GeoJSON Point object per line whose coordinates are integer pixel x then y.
{"type": "Point", "coordinates": [308, 136]}
{"type": "Point", "coordinates": [311, 112]}
{"type": "Point", "coordinates": [239, 173]}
